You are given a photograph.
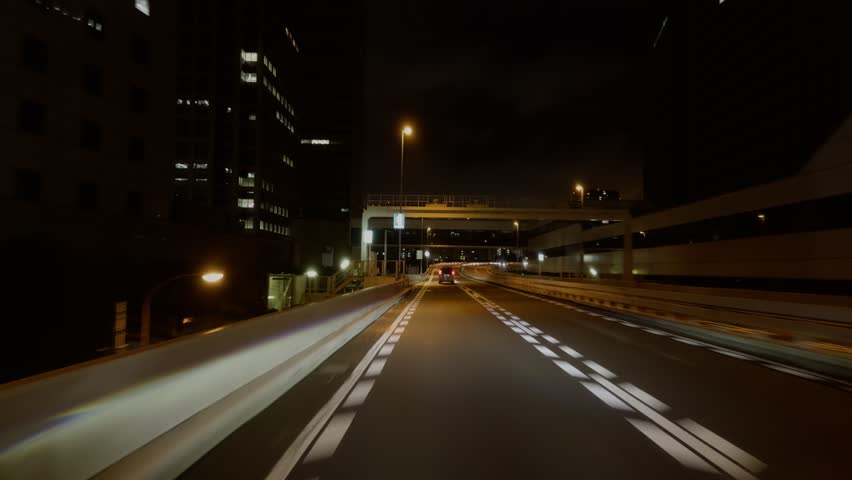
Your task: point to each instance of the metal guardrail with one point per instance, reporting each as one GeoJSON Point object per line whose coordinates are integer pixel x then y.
{"type": "Point", "coordinates": [821, 328]}
{"type": "Point", "coordinates": [154, 412]}
{"type": "Point", "coordinates": [457, 201]}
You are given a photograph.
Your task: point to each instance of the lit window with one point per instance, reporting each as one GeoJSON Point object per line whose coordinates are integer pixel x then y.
{"type": "Point", "coordinates": [250, 174]}
{"type": "Point", "coordinates": [182, 165]}
{"type": "Point", "coordinates": [252, 117]}
{"type": "Point", "coordinates": [181, 179]}
{"type": "Point", "coordinates": [248, 57]}
{"type": "Point", "coordinates": [201, 166]}
{"type": "Point", "coordinates": [246, 182]}
{"type": "Point", "coordinates": [200, 179]}
{"type": "Point", "coordinates": [143, 6]}
{"type": "Point", "coordinates": [249, 77]}
{"type": "Point", "coordinates": [248, 223]}
{"type": "Point", "coordinates": [228, 170]}
{"type": "Point", "coordinates": [245, 202]}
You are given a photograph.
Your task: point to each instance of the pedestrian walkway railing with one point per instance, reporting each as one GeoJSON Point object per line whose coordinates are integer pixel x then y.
{"type": "Point", "coordinates": [456, 201]}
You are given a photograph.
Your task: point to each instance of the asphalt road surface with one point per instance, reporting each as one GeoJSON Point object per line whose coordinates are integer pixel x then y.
{"type": "Point", "coordinates": [476, 381]}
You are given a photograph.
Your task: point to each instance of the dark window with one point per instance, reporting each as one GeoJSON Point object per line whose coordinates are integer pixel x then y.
{"type": "Point", "coordinates": [201, 151]}
{"type": "Point", "coordinates": [183, 127]}
{"type": "Point", "coordinates": [34, 54]}
{"type": "Point", "coordinates": [138, 99]}
{"type": "Point", "coordinates": [139, 52]}
{"type": "Point", "coordinates": [136, 149]}
{"type": "Point", "coordinates": [27, 185]}
{"type": "Point", "coordinates": [88, 196]}
{"type": "Point", "coordinates": [90, 135]}
{"type": "Point", "coordinates": [202, 127]}
{"type": "Point", "coordinates": [184, 87]}
{"type": "Point", "coordinates": [93, 80]}
{"type": "Point", "coordinates": [31, 116]}
{"type": "Point", "coordinates": [182, 151]}
{"type": "Point", "coordinates": [134, 203]}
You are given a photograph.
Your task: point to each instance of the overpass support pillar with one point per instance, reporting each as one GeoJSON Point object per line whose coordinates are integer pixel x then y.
{"type": "Point", "coordinates": [627, 256]}
{"type": "Point", "coordinates": [365, 225]}
{"type": "Point", "coordinates": [581, 259]}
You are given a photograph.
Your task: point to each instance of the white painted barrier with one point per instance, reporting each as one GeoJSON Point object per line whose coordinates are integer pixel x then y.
{"type": "Point", "coordinates": [154, 412]}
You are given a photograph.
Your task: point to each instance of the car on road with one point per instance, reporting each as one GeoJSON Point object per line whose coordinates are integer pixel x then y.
{"type": "Point", "coordinates": [447, 275]}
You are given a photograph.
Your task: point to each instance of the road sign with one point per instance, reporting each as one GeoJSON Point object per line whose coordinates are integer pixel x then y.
{"type": "Point", "coordinates": [399, 221]}
{"type": "Point", "coordinates": [419, 254]}
{"type": "Point", "coordinates": [368, 236]}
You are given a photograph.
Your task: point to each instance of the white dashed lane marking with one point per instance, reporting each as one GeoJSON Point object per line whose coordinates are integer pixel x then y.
{"type": "Point", "coordinates": [599, 369]}
{"type": "Point", "coordinates": [605, 396]}
{"type": "Point", "coordinates": [546, 351]}
{"type": "Point", "coordinates": [673, 439]}
{"type": "Point", "coordinates": [570, 351]}
{"type": "Point", "coordinates": [570, 369]}
{"type": "Point", "coordinates": [671, 446]}
{"type": "Point", "coordinates": [359, 393]}
{"type": "Point", "coordinates": [327, 443]}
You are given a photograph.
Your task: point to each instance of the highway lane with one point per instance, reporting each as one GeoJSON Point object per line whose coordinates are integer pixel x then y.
{"type": "Point", "coordinates": [463, 396]}
{"type": "Point", "coordinates": [794, 425]}
{"type": "Point", "coordinates": [475, 381]}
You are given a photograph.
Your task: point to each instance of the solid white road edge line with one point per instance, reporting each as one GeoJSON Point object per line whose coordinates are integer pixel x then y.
{"type": "Point", "coordinates": [296, 449]}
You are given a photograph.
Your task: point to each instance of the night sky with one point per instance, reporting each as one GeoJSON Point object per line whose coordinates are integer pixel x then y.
{"type": "Point", "coordinates": [510, 99]}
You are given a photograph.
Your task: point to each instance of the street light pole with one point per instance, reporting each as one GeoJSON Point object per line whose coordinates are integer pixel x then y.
{"type": "Point", "coordinates": [145, 323]}
{"type": "Point", "coordinates": [385, 256]}
{"type": "Point", "coordinates": [405, 131]}
{"type": "Point", "coordinates": [517, 237]}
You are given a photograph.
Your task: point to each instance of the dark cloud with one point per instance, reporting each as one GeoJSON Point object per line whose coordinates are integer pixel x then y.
{"type": "Point", "coordinates": [501, 97]}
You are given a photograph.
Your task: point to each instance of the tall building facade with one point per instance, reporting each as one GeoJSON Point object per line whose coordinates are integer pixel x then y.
{"type": "Point", "coordinates": [237, 115]}
{"type": "Point", "coordinates": [86, 125]}
{"type": "Point", "coordinates": [741, 93]}
{"type": "Point", "coordinates": [330, 139]}
{"type": "Point", "coordinates": [87, 134]}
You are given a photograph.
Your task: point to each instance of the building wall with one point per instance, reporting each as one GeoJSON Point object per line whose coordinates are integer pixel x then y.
{"type": "Point", "coordinates": [47, 49]}
{"type": "Point", "coordinates": [791, 229]}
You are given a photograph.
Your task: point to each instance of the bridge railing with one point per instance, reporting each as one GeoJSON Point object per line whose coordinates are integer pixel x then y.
{"type": "Point", "coordinates": [153, 412]}
{"type": "Point", "coordinates": [457, 201]}
{"type": "Point", "coordinates": [808, 330]}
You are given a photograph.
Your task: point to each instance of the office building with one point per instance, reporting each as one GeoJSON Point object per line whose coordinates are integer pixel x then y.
{"type": "Point", "coordinates": [237, 115]}
{"type": "Point", "coordinates": [88, 128]}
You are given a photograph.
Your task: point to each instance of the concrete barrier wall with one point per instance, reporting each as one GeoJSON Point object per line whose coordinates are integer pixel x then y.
{"type": "Point", "coordinates": [153, 412]}
{"type": "Point", "coordinates": [809, 323]}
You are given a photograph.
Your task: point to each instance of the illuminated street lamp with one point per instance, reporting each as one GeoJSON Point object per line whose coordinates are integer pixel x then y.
{"type": "Point", "coordinates": [406, 131]}
{"type": "Point", "coordinates": [540, 261]}
{"type": "Point", "coordinates": [344, 264]}
{"type": "Point", "coordinates": [582, 191]}
{"type": "Point", "coordinates": [312, 276]}
{"type": "Point", "coordinates": [145, 327]}
{"type": "Point", "coordinates": [517, 234]}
